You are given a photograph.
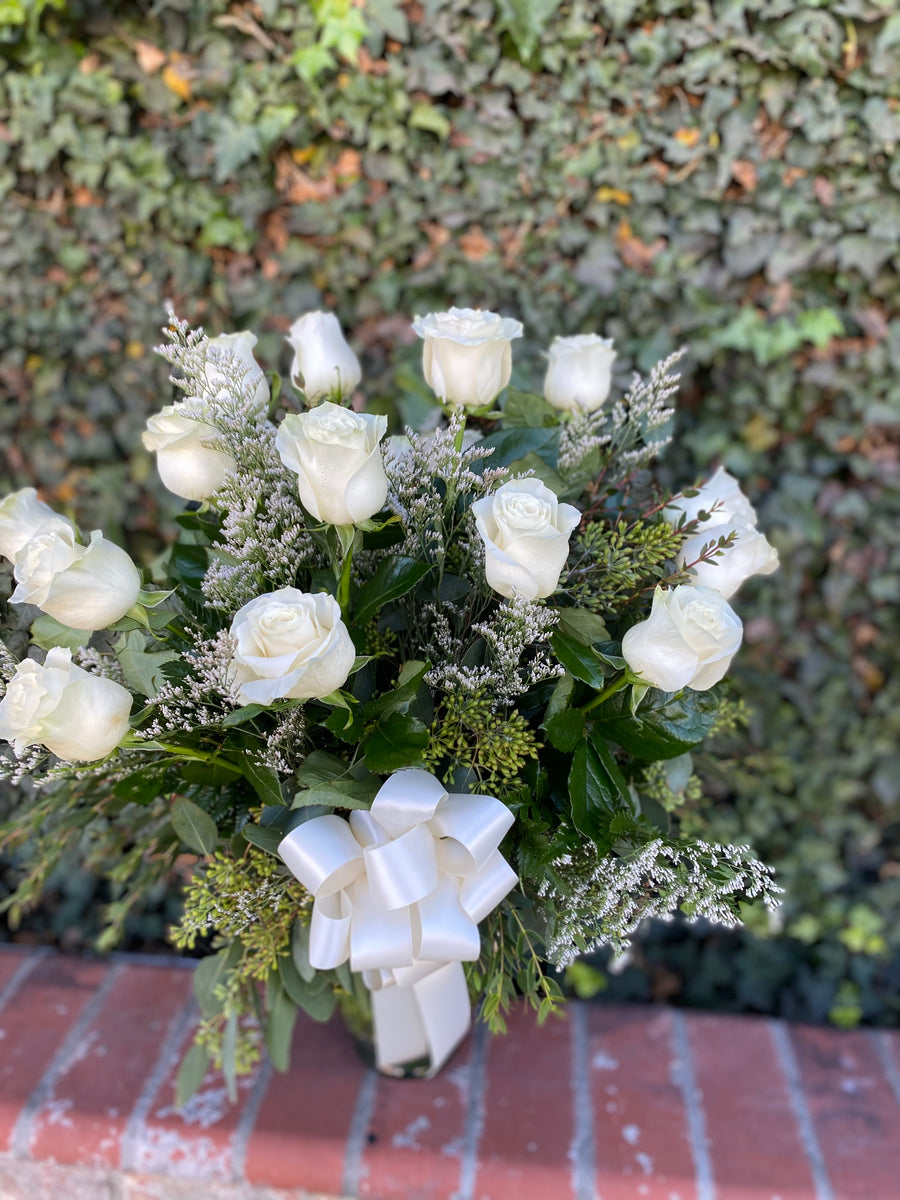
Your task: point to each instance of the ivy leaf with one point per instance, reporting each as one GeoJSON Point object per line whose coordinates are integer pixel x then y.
{"type": "Point", "coordinates": [397, 741]}
{"type": "Point", "coordinates": [339, 793]}
{"type": "Point", "coordinates": [195, 827]}
{"type": "Point", "coordinates": [141, 667]}
{"type": "Point", "coordinates": [525, 21]}
{"type": "Point", "coordinates": [47, 632]}
{"type": "Point", "coordinates": [396, 575]}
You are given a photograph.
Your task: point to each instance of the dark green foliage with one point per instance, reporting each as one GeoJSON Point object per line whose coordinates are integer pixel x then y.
{"type": "Point", "coordinates": [728, 182]}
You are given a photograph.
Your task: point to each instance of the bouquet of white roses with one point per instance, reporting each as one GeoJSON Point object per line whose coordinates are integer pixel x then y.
{"type": "Point", "coordinates": [415, 713]}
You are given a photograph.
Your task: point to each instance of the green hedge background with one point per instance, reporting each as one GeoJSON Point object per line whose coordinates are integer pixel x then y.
{"type": "Point", "coordinates": [720, 175]}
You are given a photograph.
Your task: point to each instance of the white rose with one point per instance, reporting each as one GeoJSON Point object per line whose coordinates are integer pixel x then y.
{"type": "Point", "coordinates": [525, 531]}
{"type": "Point", "coordinates": [579, 374]}
{"type": "Point", "coordinates": [324, 365]}
{"type": "Point", "coordinates": [77, 716]}
{"type": "Point", "coordinates": [21, 516]}
{"type": "Point", "coordinates": [728, 511]}
{"type": "Point", "coordinates": [290, 644]}
{"type": "Point", "coordinates": [750, 553]}
{"type": "Point", "coordinates": [720, 497]}
{"type": "Point", "coordinates": [467, 357]}
{"type": "Point", "coordinates": [336, 455]}
{"type": "Point", "coordinates": [240, 345]}
{"type": "Point", "coordinates": [689, 639]}
{"type": "Point", "coordinates": [84, 587]}
{"type": "Point", "coordinates": [188, 465]}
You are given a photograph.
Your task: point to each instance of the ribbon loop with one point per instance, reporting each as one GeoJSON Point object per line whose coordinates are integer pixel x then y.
{"type": "Point", "coordinates": [400, 890]}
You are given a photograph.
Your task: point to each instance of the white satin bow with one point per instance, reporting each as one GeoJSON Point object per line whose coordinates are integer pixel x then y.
{"type": "Point", "coordinates": [399, 890]}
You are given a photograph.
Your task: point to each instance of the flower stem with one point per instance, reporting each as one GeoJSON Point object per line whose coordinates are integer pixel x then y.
{"type": "Point", "coordinates": [347, 535]}
{"type": "Point", "coordinates": [609, 690]}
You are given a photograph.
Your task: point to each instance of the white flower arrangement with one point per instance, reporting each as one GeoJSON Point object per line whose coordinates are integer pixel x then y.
{"type": "Point", "coordinates": [398, 696]}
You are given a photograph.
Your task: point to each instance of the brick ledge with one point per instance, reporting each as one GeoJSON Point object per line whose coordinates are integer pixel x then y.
{"type": "Point", "coordinates": [614, 1102]}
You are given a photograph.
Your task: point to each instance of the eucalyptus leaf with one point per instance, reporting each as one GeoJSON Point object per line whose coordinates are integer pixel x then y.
{"type": "Point", "coordinates": [191, 1073]}
{"type": "Point", "coordinates": [195, 827]}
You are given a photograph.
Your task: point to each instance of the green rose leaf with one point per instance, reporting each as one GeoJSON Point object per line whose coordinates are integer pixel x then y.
{"type": "Point", "coordinates": [578, 659]}
{"type": "Point", "coordinates": [565, 729]}
{"type": "Point", "coordinates": [397, 741]}
{"type": "Point", "coordinates": [597, 790]}
{"type": "Point", "coordinates": [396, 575]}
{"type": "Point", "coordinates": [665, 725]}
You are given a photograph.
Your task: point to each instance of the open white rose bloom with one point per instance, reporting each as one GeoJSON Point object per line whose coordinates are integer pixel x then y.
{"type": "Point", "coordinates": [399, 697]}
{"type": "Point", "coordinates": [467, 356]}
{"type": "Point", "coordinates": [84, 587]}
{"type": "Point", "coordinates": [77, 716]}
{"type": "Point", "coordinates": [337, 458]}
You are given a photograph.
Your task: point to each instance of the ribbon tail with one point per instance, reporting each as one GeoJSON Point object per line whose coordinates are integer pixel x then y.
{"type": "Point", "coordinates": [427, 1017]}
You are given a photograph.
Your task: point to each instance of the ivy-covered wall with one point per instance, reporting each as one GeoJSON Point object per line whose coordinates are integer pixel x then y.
{"type": "Point", "coordinates": [720, 175]}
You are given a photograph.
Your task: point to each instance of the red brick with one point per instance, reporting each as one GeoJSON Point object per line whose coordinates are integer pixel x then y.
{"type": "Point", "coordinates": [528, 1114]}
{"type": "Point", "coordinates": [853, 1109]}
{"type": "Point", "coordinates": [415, 1137]}
{"type": "Point", "coordinates": [85, 1118]}
{"type": "Point", "coordinates": [754, 1142]}
{"type": "Point", "coordinates": [34, 1024]}
{"type": "Point", "coordinates": [305, 1116]}
{"type": "Point", "coordinates": [642, 1145]}
{"type": "Point", "coordinates": [197, 1141]}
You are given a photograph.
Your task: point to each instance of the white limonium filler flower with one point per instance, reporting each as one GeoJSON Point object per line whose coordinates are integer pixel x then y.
{"type": "Point", "coordinates": [728, 511]}
{"type": "Point", "coordinates": [78, 716]}
{"type": "Point", "coordinates": [525, 531]}
{"type": "Point", "coordinates": [688, 640]}
{"type": "Point", "coordinates": [337, 458]}
{"type": "Point", "coordinates": [290, 644]}
{"type": "Point", "coordinates": [324, 364]}
{"type": "Point", "coordinates": [467, 356]}
{"type": "Point", "coordinates": [190, 458]}
{"type": "Point", "coordinates": [84, 587]}
{"type": "Point", "coordinates": [579, 374]}
{"type": "Point", "coordinates": [22, 514]}
{"type": "Point", "coordinates": [188, 464]}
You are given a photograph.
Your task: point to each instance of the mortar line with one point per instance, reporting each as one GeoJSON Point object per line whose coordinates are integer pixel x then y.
{"type": "Point", "coordinates": [581, 1150]}
{"type": "Point", "coordinates": [693, 1105]}
{"type": "Point", "coordinates": [475, 1110]}
{"type": "Point", "coordinates": [790, 1068]}
{"type": "Point", "coordinates": [356, 1137]}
